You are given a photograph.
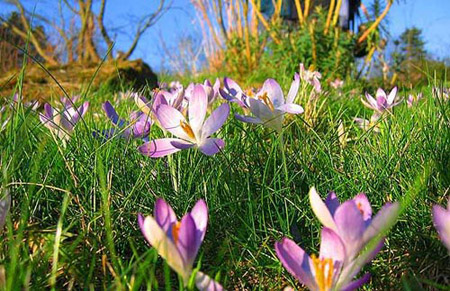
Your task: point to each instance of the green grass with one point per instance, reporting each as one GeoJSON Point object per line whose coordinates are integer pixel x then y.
{"type": "Point", "coordinates": [73, 220]}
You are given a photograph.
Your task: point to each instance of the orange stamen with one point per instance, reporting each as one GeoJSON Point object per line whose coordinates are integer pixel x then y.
{"type": "Point", "coordinates": [266, 100]}
{"type": "Point", "coordinates": [187, 129]}
{"type": "Point", "coordinates": [175, 231]}
{"type": "Point", "coordinates": [324, 281]}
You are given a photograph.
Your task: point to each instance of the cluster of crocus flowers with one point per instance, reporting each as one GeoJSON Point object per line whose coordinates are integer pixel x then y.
{"type": "Point", "coordinates": [212, 91]}
{"type": "Point", "coordinates": [413, 99]}
{"type": "Point", "coordinates": [441, 220]}
{"type": "Point", "coordinates": [348, 229]}
{"type": "Point", "coordinates": [62, 123]}
{"type": "Point", "coordinates": [311, 77]}
{"type": "Point", "coordinates": [192, 132]}
{"type": "Point", "coordinates": [268, 106]}
{"type": "Point", "coordinates": [178, 242]}
{"type": "Point", "coordinates": [337, 84]}
{"type": "Point", "coordinates": [138, 126]}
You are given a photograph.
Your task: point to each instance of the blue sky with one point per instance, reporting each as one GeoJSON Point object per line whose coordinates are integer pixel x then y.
{"type": "Point", "coordinates": [432, 16]}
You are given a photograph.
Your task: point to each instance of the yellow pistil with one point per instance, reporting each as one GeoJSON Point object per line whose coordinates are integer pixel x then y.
{"type": "Point", "coordinates": [175, 231]}
{"type": "Point", "coordinates": [266, 100]}
{"type": "Point", "coordinates": [250, 93]}
{"type": "Point", "coordinates": [324, 280]}
{"type": "Point", "coordinates": [187, 129]}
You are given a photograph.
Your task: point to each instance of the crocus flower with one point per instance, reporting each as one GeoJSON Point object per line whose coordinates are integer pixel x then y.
{"type": "Point", "coordinates": [336, 84]}
{"type": "Point", "coordinates": [193, 133]}
{"type": "Point", "coordinates": [232, 92]}
{"type": "Point", "coordinates": [413, 99]}
{"type": "Point", "coordinates": [34, 105]}
{"type": "Point", "coordinates": [382, 102]}
{"type": "Point", "coordinates": [62, 123]}
{"type": "Point", "coordinates": [178, 242]}
{"type": "Point", "coordinates": [311, 77]}
{"type": "Point", "coordinates": [367, 125]}
{"type": "Point", "coordinates": [268, 106]}
{"type": "Point", "coordinates": [321, 273]}
{"type": "Point", "coordinates": [5, 204]}
{"type": "Point", "coordinates": [441, 220]}
{"type": "Point", "coordinates": [138, 127]}
{"type": "Point", "coordinates": [352, 220]}
{"type": "Point", "coordinates": [212, 91]}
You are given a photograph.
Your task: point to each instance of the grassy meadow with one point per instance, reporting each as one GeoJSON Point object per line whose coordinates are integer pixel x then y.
{"type": "Point", "coordinates": [73, 224]}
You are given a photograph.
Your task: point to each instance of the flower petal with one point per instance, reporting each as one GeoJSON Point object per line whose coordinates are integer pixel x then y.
{"type": "Point", "coordinates": [391, 97]}
{"type": "Point", "coordinates": [158, 239]}
{"type": "Point", "coordinates": [200, 215]}
{"type": "Point", "coordinates": [321, 210]}
{"type": "Point", "coordinates": [363, 205]}
{"type": "Point", "coordinates": [211, 146]}
{"type": "Point", "coordinates": [274, 92]}
{"type": "Point", "coordinates": [110, 112]}
{"type": "Point", "coordinates": [160, 147]}
{"type": "Point", "coordinates": [248, 119]}
{"type": "Point", "coordinates": [215, 120]}
{"type": "Point", "coordinates": [291, 108]}
{"type": "Point", "coordinates": [331, 246]}
{"type": "Point", "coordinates": [350, 223]}
{"type": "Point", "coordinates": [294, 89]}
{"type": "Point", "coordinates": [205, 283]}
{"type": "Point", "coordinates": [357, 283]}
{"type": "Point", "coordinates": [164, 214]}
{"type": "Point", "coordinates": [198, 104]}
{"type": "Point", "coordinates": [332, 202]}
{"type": "Point", "coordinates": [171, 119]}
{"type": "Point", "coordinates": [441, 220]}
{"type": "Point", "coordinates": [187, 240]}
{"type": "Point", "coordinates": [296, 261]}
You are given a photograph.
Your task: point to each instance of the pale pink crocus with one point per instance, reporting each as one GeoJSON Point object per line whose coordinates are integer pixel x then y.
{"type": "Point", "coordinates": [192, 132]}
{"type": "Point", "coordinates": [311, 77]}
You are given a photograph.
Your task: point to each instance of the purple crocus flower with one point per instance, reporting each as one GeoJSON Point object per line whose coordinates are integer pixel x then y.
{"type": "Point", "coordinates": [268, 106]}
{"type": "Point", "coordinates": [232, 92]}
{"type": "Point", "coordinates": [382, 102]}
{"type": "Point", "coordinates": [367, 125]}
{"type": "Point", "coordinates": [413, 99]}
{"type": "Point", "coordinates": [34, 105]}
{"type": "Point", "coordinates": [348, 229]}
{"type": "Point", "coordinates": [352, 220]}
{"type": "Point", "coordinates": [62, 123]}
{"type": "Point", "coordinates": [441, 220]}
{"type": "Point", "coordinates": [212, 91]}
{"type": "Point", "coordinates": [138, 127]}
{"type": "Point", "coordinates": [319, 273]}
{"type": "Point", "coordinates": [178, 242]}
{"type": "Point", "coordinates": [193, 133]}
{"type": "Point", "coordinates": [311, 77]}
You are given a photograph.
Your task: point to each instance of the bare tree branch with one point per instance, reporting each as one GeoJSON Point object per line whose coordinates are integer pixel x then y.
{"type": "Point", "coordinates": [103, 30]}
{"type": "Point", "coordinates": [28, 33]}
{"type": "Point", "coordinates": [144, 25]}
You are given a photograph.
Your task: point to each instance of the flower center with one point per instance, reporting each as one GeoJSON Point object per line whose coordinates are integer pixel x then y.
{"type": "Point", "coordinates": [187, 129]}
{"type": "Point", "coordinates": [266, 100]}
{"type": "Point", "coordinates": [324, 269]}
{"type": "Point", "coordinates": [175, 231]}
